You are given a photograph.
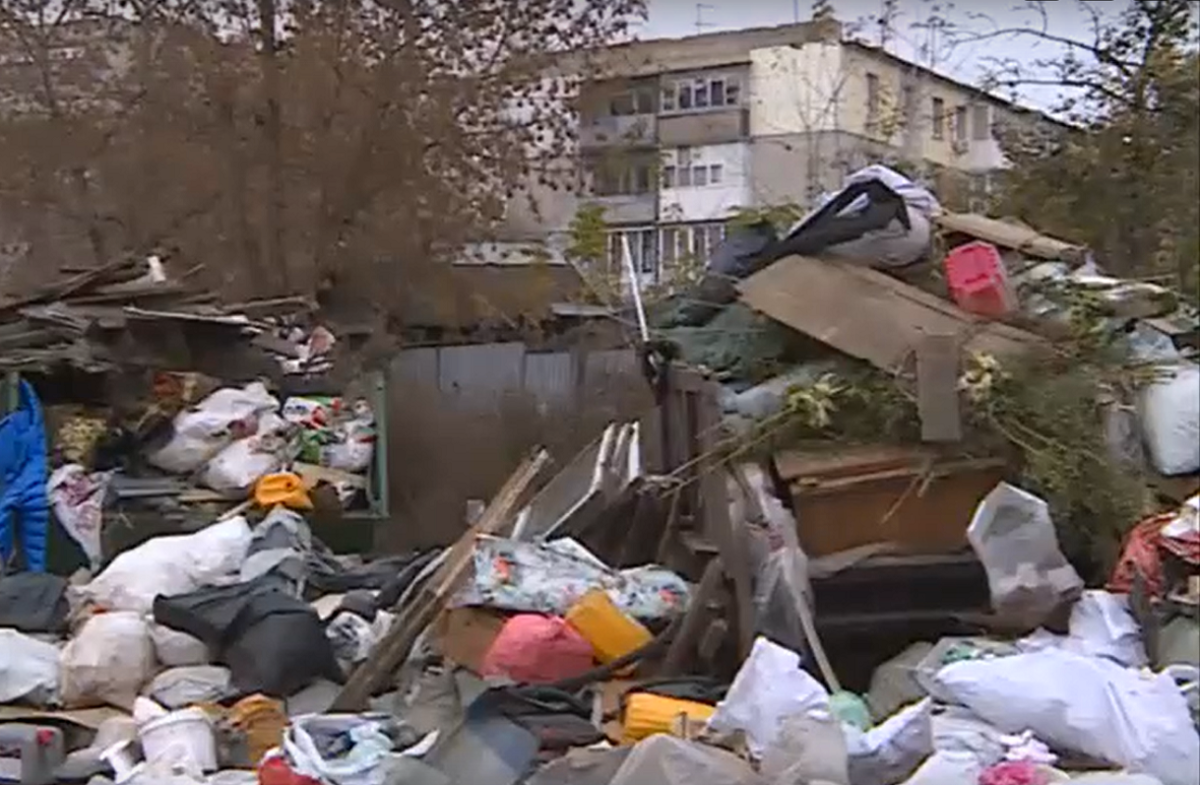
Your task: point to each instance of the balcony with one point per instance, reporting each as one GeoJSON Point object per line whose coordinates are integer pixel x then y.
{"type": "Point", "coordinates": [628, 208]}
{"type": "Point", "coordinates": [635, 130]}
{"type": "Point", "coordinates": [700, 128]}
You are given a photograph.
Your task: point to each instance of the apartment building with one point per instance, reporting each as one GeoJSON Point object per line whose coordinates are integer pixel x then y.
{"type": "Point", "coordinates": [682, 133]}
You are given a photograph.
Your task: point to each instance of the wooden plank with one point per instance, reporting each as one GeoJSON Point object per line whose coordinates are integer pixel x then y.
{"type": "Point", "coordinates": [694, 621]}
{"type": "Point", "coordinates": [870, 315]}
{"type": "Point", "coordinates": [1009, 235]}
{"type": "Point", "coordinates": [937, 389]}
{"type": "Point", "coordinates": [431, 600]}
{"type": "Point", "coordinates": [846, 461]}
{"type": "Point", "coordinates": [718, 525]}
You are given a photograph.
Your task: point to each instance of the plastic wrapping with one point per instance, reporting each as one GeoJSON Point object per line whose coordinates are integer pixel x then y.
{"type": "Point", "coordinates": [107, 661]}
{"type": "Point", "coordinates": [1170, 414]}
{"type": "Point", "coordinates": [1028, 576]}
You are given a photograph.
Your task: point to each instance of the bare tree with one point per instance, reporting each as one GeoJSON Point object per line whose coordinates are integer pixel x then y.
{"type": "Point", "coordinates": [292, 145]}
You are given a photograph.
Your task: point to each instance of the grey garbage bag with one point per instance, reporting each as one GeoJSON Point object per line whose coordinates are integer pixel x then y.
{"type": "Point", "coordinates": [667, 760]}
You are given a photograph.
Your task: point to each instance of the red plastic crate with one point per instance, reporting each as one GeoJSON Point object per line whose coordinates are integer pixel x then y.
{"type": "Point", "coordinates": [979, 281]}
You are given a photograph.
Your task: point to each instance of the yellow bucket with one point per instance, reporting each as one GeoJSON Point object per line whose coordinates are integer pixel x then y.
{"type": "Point", "coordinates": [612, 633]}
{"type": "Point", "coordinates": [647, 714]}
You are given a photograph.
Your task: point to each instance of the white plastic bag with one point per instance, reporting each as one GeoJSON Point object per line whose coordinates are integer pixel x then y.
{"type": "Point", "coordinates": [175, 564]}
{"type": "Point", "coordinates": [947, 768]}
{"type": "Point", "coordinates": [809, 748]}
{"type": "Point", "coordinates": [28, 669]}
{"type": "Point", "coordinates": [176, 649]}
{"type": "Point", "coordinates": [1084, 704]}
{"type": "Point", "coordinates": [1170, 414]}
{"type": "Point", "coordinates": [78, 500]}
{"type": "Point", "coordinates": [1028, 576]}
{"type": "Point", "coordinates": [200, 433]}
{"type": "Point", "coordinates": [362, 765]}
{"type": "Point", "coordinates": [892, 751]}
{"type": "Point", "coordinates": [770, 686]}
{"type": "Point", "coordinates": [178, 688]}
{"type": "Point", "coordinates": [107, 661]}
{"type": "Point", "coordinates": [242, 463]}
{"type": "Point", "coordinates": [1102, 626]}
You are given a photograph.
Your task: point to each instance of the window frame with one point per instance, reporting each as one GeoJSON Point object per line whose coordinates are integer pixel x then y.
{"type": "Point", "coordinates": [938, 117]}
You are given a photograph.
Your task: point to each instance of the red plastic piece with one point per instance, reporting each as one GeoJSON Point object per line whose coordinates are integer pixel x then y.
{"type": "Point", "coordinates": [979, 281]}
{"type": "Point", "coordinates": [275, 771]}
{"type": "Point", "coordinates": [533, 649]}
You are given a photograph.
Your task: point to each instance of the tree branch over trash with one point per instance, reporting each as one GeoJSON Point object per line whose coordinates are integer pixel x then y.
{"type": "Point", "coordinates": [1122, 178]}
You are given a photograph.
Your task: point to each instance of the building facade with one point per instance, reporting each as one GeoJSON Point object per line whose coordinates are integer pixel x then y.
{"type": "Point", "coordinates": [680, 134]}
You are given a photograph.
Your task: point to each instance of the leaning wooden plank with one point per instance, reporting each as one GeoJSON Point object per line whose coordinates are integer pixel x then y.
{"type": "Point", "coordinates": [422, 612]}
{"type": "Point", "coordinates": [870, 315]}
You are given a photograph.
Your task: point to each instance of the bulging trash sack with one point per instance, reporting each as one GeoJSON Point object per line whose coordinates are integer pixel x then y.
{"type": "Point", "coordinates": [1170, 414]}
{"type": "Point", "coordinates": [107, 661]}
{"type": "Point", "coordinates": [1014, 537]}
{"type": "Point", "coordinates": [809, 748]}
{"type": "Point", "coordinates": [769, 687]}
{"type": "Point", "coordinates": [28, 669]}
{"type": "Point", "coordinates": [894, 749]}
{"type": "Point", "coordinates": [201, 432]}
{"type": "Point", "coordinates": [1102, 626]}
{"type": "Point", "coordinates": [178, 688]}
{"type": "Point", "coordinates": [171, 565]}
{"type": "Point", "coordinates": [1084, 704]}
{"type": "Point", "coordinates": [176, 649]}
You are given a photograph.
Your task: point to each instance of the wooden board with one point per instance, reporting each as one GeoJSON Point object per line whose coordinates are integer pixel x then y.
{"type": "Point", "coordinates": [937, 389]}
{"type": "Point", "coordinates": [870, 315]}
{"type": "Point", "coordinates": [1009, 235]}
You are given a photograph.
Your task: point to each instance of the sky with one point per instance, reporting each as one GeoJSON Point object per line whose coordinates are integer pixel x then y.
{"type": "Point", "coordinates": [965, 62]}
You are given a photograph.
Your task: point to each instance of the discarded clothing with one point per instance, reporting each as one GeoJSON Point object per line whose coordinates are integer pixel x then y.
{"type": "Point", "coordinates": [536, 578]}
{"type": "Point", "coordinates": [24, 507]}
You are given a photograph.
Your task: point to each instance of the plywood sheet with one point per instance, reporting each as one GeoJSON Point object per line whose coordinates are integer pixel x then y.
{"type": "Point", "coordinates": [870, 315]}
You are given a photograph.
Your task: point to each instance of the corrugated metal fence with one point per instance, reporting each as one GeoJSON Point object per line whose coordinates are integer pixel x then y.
{"type": "Point", "coordinates": [461, 417]}
{"type": "Point", "coordinates": [480, 377]}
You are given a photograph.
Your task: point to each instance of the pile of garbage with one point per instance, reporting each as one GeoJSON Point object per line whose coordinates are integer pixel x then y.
{"type": "Point", "coordinates": [659, 610]}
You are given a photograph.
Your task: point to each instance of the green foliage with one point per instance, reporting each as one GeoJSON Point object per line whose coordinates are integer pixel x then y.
{"type": "Point", "coordinates": [781, 216]}
{"type": "Point", "coordinates": [589, 235]}
{"type": "Point", "coordinates": [1124, 181]}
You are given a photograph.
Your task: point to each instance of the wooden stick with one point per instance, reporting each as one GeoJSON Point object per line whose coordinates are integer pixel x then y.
{"type": "Point", "coordinates": [423, 611]}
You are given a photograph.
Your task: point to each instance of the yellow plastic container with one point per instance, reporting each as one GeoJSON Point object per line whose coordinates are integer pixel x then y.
{"type": "Point", "coordinates": [612, 633]}
{"type": "Point", "coordinates": [647, 714]}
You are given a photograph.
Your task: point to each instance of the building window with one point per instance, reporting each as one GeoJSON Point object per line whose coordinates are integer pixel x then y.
{"type": "Point", "coordinates": [733, 92]}
{"type": "Point", "coordinates": [700, 175]}
{"type": "Point", "coordinates": [667, 98]}
{"type": "Point", "coordinates": [621, 104]}
{"type": "Point", "coordinates": [960, 123]}
{"type": "Point", "coordinates": [643, 248]}
{"type": "Point", "coordinates": [670, 245]}
{"type": "Point", "coordinates": [715, 174]}
{"type": "Point", "coordinates": [668, 176]}
{"type": "Point", "coordinates": [873, 99]}
{"type": "Point", "coordinates": [938, 111]}
{"type": "Point", "coordinates": [617, 179]}
{"type": "Point", "coordinates": [704, 93]}
{"type": "Point", "coordinates": [981, 124]}
{"type": "Point", "coordinates": [685, 96]}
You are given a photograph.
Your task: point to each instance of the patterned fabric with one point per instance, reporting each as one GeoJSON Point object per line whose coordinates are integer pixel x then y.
{"type": "Point", "coordinates": [549, 578]}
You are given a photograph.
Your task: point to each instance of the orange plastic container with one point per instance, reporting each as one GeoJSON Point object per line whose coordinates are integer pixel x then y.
{"type": "Point", "coordinates": [978, 280]}
{"type": "Point", "coordinates": [647, 714]}
{"type": "Point", "coordinates": [612, 633]}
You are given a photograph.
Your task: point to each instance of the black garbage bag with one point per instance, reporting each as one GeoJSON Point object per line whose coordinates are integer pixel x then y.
{"type": "Point", "coordinates": [735, 258]}
{"type": "Point", "coordinates": [327, 576]}
{"type": "Point", "coordinates": [34, 602]}
{"type": "Point", "coordinates": [279, 647]}
{"type": "Point", "coordinates": [271, 641]}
